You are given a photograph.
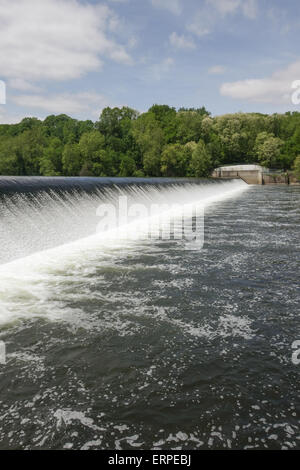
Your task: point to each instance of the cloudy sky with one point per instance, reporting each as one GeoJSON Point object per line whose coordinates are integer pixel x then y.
{"type": "Point", "coordinates": [78, 56]}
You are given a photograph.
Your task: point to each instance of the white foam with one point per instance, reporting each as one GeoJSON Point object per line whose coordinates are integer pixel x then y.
{"type": "Point", "coordinates": [31, 286]}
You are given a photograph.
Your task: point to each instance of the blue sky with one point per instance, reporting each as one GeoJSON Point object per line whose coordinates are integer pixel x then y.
{"type": "Point", "coordinates": [76, 57]}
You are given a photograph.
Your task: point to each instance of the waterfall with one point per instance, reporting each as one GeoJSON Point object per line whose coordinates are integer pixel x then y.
{"type": "Point", "coordinates": [49, 232]}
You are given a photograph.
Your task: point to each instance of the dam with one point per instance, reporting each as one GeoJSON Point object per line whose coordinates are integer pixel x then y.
{"type": "Point", "coordinates": [33, 184]}
{"type": "Point", "coordinates": [148, 343]}
{"type": "Point", "coordinates": [255, 174]}
{"type": "Point", "coordinates": [40, 213]}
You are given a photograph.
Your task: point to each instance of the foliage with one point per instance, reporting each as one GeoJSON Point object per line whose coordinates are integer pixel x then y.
{"type": "Point", "coordinates": [296, 167]}
{"type": "Point", "coordinates": [201, 162]}
{"type": "Point", "coordinates": [174, 160]}
{"type": "Point", "coordinates": [268, 149]}
{"type": "Point", "coordinates": [159, 142]}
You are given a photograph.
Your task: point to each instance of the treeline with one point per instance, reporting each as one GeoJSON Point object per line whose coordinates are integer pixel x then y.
{"type": "Point", "coordinates": [160, 142]}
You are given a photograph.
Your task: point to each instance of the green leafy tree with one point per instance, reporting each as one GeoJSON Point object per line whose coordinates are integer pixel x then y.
{"type": "Point", "coordinates": [90, 144]}
{"type": "Point", "coordinates": [296, 167]}
{"type": "Point", "coordinates": [113, 121]}
{"type": "Point", "coordinates": [206, 128]}
{"type": "Point", "coordinates": [158, 142]}
{"type": "Point", "coordinates": [166, 119]}
{"type": "Point", "coordinates": [51, 159]}
{"type": "Point", "coordinates": [150, 138]}
{"type": "Point", "coordinates": [189, 126]}
{"type": "Point", "coordinates": [201, 163]}
{"type": "Point", "coordinates": [29, 147]}
{"type": "Point", "coordinates": [10, 161]}
{"type": "Point", "coordinates": [269, 154]}
{"type": "Point", "coordinates": [72, 160]}
{"type": "Point", "coordinates": [174, 161]}
{"type": "Point", "coordinates": [268, 149]}
{"type": "Point", "coordinates": [127, 166]}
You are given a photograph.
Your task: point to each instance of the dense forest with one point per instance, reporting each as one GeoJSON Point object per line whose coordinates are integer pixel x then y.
{"type": "Point", "coordinates": [160, 142]}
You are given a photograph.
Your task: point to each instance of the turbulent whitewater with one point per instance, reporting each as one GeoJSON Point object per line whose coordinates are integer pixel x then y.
{"type": "Point", "coordinates": [45, 233]}
{"type": "Point", "coordinates": [133, 344]}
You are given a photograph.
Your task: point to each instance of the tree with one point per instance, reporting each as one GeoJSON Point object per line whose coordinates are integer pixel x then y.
{"type": "Point", "coordinates": [216, 150]}
{"type": "Point", "coordinates": [82, 127]}
{"type": "Point", "coordinates": [10, 163]}
{"type": "Point", "coordinates": [296, 167]}
{"type": "Point", "coordinates": [269, 155]}
{"type": "Point", "coordinates": [158, 142]}
{"type": "Point", "coordinates": [51, 160]}
{"type": "Point", "coordinates": [95, 158]}
{"type": "Point", "coordinates": [116, 125]}
{"type": "Point", "coordinates": [189, 126]}
{"type": "Point", "coordinates": [201, 163]}
{"type": "Point", "coordinates": [29, 147]}
{"type": "Point", "coordinates": [174, 161]}
{"type": "Point", "coordinates": [201, 111]}
{"type": "Point", "coordinates": [206, 128]}
{"type": "Point", "coordinates": [72, 160]}
{"type": "Point", "coordinates": [27, 124]}
{"type": "Point", "coordinates": [268, 149]}
{"type": "Point", "coordinates": [232, 136]}
{"type": "Point", "coordinates": [150, 139]}
{"type": "Point", "coordinates": [90, 144]}
{"type": "Point", "coordinates": [166, 119]}
{"type": "Point", "coordinates": [127, 167]}
{"type": "Point", "coordinates": [113, 121]}
{"type": "Point", "coordinates": [63, 127]}
{"type": "Point", "coordinates": [290, 148]}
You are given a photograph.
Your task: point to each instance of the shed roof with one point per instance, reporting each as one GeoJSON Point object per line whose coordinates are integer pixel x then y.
{"type": "Point", "coordinates": [241, 168]}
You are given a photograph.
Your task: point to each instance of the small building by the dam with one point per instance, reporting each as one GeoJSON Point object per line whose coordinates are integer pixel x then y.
{"type": "Point", "coordinates": [254, 174]}
{"type": "Point", "coordinates": [251, 174]}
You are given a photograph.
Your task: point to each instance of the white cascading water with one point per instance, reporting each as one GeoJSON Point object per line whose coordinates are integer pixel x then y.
{"type": "Point", "coordinates": [48, 239]}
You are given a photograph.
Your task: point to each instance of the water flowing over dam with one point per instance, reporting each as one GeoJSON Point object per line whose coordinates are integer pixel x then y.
{"type": "Point", "coordinates": [41, 213]}
{"type": "Point", "coordinates": [23, 184]}
{"type": "Point", "coordinates": [145, 343]}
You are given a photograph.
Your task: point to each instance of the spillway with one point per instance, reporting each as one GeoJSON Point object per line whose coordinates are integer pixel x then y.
{"type": "Point", "coordinates": [41, 213]}
{"type": "Point", "coordinates": [148, 343]}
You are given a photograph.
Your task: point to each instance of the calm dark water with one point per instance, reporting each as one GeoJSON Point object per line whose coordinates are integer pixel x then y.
{"type": "Point", "coordinates": [149, 345]}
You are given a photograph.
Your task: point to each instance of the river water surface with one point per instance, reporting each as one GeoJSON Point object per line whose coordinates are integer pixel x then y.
{"type": "Point", "coordinates": [148, 344]}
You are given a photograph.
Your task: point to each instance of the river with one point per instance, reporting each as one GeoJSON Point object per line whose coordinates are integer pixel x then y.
{"type": "Point", "coordinates": [150, 344]}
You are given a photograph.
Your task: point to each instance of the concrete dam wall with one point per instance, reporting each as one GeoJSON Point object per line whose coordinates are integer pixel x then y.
{"type": "Point", "coordinates": [255, 174]}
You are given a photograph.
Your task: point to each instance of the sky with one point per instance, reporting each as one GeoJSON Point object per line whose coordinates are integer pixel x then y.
{"type": "Point", "coordinates": [78, 56]}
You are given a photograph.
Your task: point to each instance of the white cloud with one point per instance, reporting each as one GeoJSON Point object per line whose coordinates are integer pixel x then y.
{"type": "Point", "coordinates": [181, 41]}
{"type": "Point", "coordinates": [55, 39]}
{"type": "Point", "coordinates": [247, 7]}
{"type": "Point", "coordinates": [76, 104]}
{"type": "Point", "coordinates": [217, 70]}
{"type": "Point", "coordinates": [224, 6]}
{"type": "Point", "coordinates": [174, 6]}
{"type": "Point", "coordinates": [158, 71]}
{"type": "Point", "coordinates": [22, 85]}
{"type": "Point", "coordinates": [276, 89]}
{"type": "Point", "coordinates": [250, 9]}
{"type": "Point", "coordinates": [214, 12]}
